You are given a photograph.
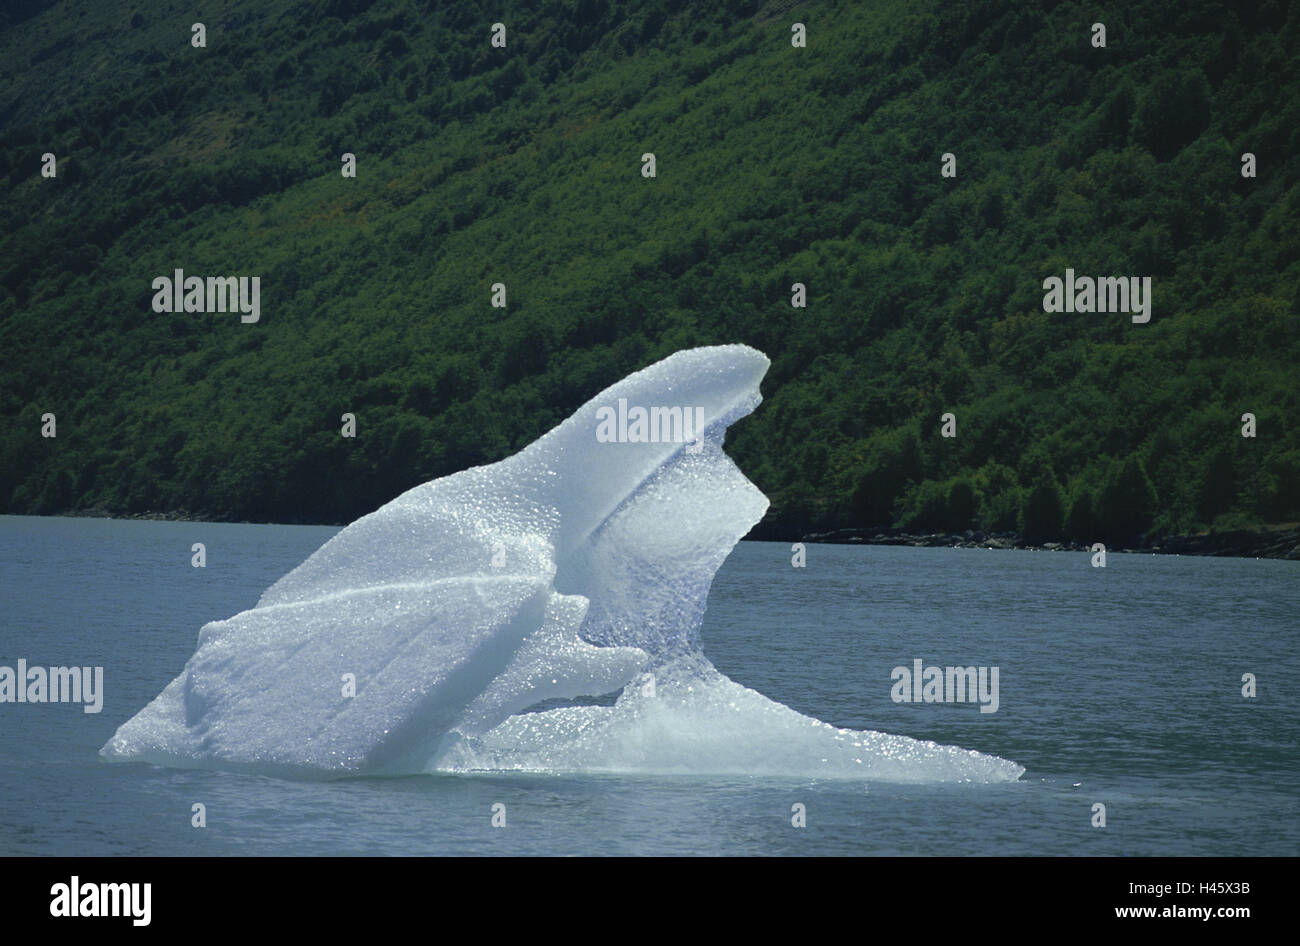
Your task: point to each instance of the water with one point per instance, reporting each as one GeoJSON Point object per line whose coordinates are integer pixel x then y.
{"type": "Point", "coordinates": [1118, 685]}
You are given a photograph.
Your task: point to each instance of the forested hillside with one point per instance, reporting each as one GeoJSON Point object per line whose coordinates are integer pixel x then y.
{"type": "Point", "coordinates": [775, 165]}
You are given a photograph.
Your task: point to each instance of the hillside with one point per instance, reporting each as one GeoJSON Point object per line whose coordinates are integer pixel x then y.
{"type": "Point", "coordinates": [774, 165]}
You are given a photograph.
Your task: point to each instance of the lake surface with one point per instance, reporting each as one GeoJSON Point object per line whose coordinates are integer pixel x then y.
{"type": "Point", "coordinates": [1119, 685]}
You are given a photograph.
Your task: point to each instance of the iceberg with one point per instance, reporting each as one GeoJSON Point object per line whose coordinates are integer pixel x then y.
{"type": "Point", "coordinates": [424, 636]}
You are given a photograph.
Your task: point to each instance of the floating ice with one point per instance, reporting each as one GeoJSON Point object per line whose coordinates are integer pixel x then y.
{"type": "Point", "coordinates": [574, 568]}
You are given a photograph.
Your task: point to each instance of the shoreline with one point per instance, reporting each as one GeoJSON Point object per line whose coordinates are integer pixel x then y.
{"type": "Point", "coordinates": [1282, 543]}
{"type": "Point", "coordinates": [1279, 543]}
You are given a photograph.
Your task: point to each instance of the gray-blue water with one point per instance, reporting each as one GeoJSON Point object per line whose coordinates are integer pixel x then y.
{"type": "Point", "coordinates": [1120, 686]}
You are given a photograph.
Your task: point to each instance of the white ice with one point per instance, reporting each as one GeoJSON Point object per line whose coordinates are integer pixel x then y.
{"type": "Point", "coordinates": [570, 569]}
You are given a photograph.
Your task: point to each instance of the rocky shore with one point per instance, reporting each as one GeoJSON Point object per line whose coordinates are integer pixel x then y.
{"type": "Point", "coordinates": [1278, 543]}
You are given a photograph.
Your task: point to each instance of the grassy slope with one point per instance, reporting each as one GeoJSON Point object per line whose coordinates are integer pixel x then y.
{"type": "Point", "coordinates": [775, 165]}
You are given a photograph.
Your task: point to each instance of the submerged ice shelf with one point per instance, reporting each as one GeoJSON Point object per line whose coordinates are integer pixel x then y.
{"type": "Point", "coordinates": [577, 567]}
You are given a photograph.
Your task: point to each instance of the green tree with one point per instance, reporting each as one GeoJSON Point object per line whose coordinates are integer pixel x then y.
{"type": "Point", "coordinates": [1043, 512]}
